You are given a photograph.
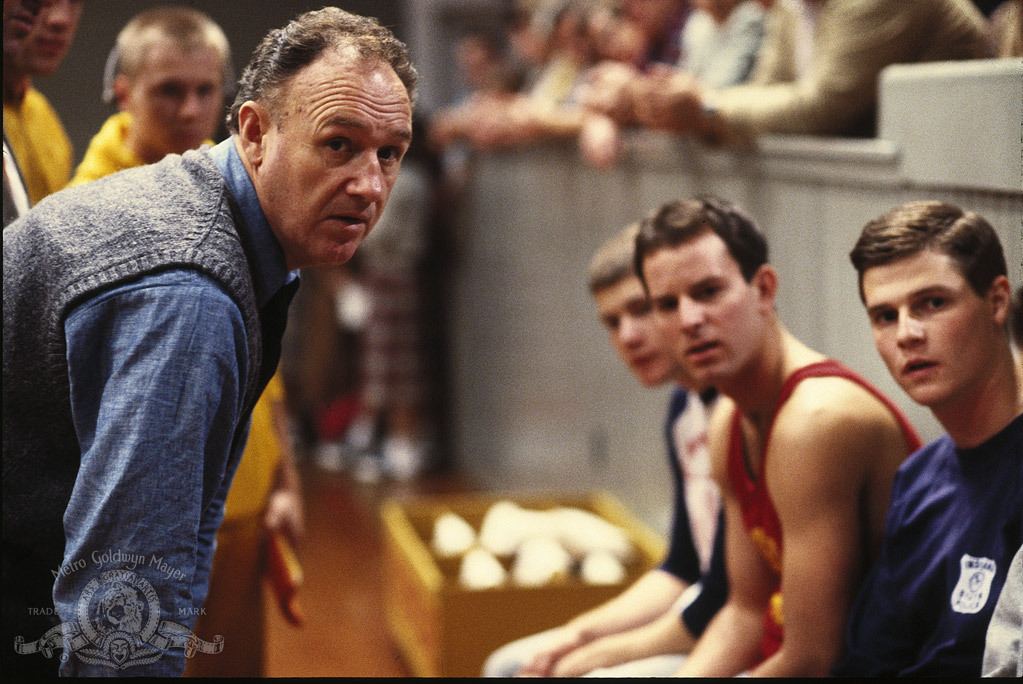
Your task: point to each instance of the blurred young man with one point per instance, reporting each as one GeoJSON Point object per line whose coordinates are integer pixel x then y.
{"type": "Point", "coordinates": [934, 282]}
{"type": "Point", "coordinates": [31, 126]}
{"type": "Point", "coordinates": [645, 630]}
{"type": "Point", "coordinates": [804, 449]}
{"type": "Point", "coordinates": [168, 74]}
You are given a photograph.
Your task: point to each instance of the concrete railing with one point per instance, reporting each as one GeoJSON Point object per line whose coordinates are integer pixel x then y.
{"type": "Point", "coordinates": [540, 401]}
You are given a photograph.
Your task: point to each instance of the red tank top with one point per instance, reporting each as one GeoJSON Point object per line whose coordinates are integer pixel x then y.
{"type": "Point", "coordinates": [758, 514]}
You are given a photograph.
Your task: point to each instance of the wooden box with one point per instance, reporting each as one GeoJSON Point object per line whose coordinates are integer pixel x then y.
{"type": "Point", "coordinates": [446, 630]}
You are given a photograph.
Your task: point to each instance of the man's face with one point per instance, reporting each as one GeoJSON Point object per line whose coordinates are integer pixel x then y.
{"type": "Point", "coordinates": [20, 17]}
{"type": "Point", "coordinates": [712, 318]}
{"type": "Point", "coordinates": [935, 334]}
{"type": "Point", "coordinates": [327, 160]}
{"type": "Point", "coordinates": [626, 313]}
{"type": "Point", "coordinates": [175, 99]}
{"type": "Point", "coordinates": [49, 41]}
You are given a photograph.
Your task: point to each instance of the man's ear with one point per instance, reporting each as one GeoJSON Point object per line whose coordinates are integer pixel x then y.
{"type": "Point", "coordinates": [765, 279]}
{"type": "Point", "coordinates": [253, 126]}
{"type": "Point", "coordinates": [999, 295]}
{"type": "Point", "coordinates": [121, 87]}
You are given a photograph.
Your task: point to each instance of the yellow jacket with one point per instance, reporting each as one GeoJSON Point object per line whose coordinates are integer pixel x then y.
{"type": "Point", "coordinates": [108, 153]}
{"type": "Point", "coordinates": [40, 144]}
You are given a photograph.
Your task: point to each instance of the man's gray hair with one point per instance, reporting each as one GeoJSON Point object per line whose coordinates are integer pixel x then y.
{"type": "Point", "coordinates": [285, 51]}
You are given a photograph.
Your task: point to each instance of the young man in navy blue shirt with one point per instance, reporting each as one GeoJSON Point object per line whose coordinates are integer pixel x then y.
{"type": "Point", "coordinates": [934, 282]}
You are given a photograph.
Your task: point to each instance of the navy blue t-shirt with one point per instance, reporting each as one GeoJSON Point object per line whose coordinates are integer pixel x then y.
{"type": "Point", "coordinates": [955, 522]}
{"type": "Point", "coordinates": [682, 559]}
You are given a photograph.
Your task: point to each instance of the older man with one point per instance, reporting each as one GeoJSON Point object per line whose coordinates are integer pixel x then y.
{"type": "Point", "coordinates": [142, 317]}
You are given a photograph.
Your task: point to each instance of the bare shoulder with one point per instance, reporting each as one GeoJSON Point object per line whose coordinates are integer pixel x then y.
{"type": "Point", "coordinates": [819, 407]}
{"type": "Point", "coordinates": [835, 428]}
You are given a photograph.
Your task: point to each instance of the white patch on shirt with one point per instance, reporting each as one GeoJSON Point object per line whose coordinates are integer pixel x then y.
{"type": "Point", "coordinates": [974, 585]}
{"type": "Point", "coordinates": [703, 497]}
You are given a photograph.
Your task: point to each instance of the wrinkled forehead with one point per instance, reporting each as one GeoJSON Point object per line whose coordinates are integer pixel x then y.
{"type": "Point", "coordinates": [346, 71]}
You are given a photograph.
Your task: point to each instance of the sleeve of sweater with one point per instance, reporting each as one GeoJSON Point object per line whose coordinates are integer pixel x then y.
{"type": "Point", "coordinates": [156, 369]}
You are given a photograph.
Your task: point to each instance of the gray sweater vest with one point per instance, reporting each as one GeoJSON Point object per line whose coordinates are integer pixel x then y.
{"type": "Point", "coordinates": [72, 246]}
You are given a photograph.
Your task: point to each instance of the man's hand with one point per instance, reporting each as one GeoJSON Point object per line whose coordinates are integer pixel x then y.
{"type": "Point", "coordinates": [669, 100]}
{"type": "Point", "coordinates": [604, 652]}
{"type": "Point", "coordinates": [600, 141]}
{"type": "Point", "coordinates": [607, 90]}
{"type": "Point", "coordinates": [284, 514]}
{"type": "Point", "coordinates": [542, 664]}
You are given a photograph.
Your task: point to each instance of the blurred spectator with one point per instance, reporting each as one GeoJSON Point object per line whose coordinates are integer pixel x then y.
{"type": "Point", "coordinates": [817, 71]}
{"type": "Point", "coordinates": [479, 58]}
{"type": "Point", "coordinates": [490, 82]}
{"type": "Point", "coordinates": [721, 41]}
{"type": "Point", "coordinates": [554, 47]}
{"type": "Point", "coordinates": [168, 73]}
{"type": "Point", "coordinates": [656, 28]}
{"type": "Point", "coordinates": [1007, 29]}
{"type": "Point", "coordinates": [19, 19]}
{"type": "Point", "coordinates": [548, 108]}
{"type": "Point", "coordinates": [588, 61]}
{"type": "Point", "coordinates": [31, 126]}
{"type": "Point", "coordinates": [395, 430]}
{"type": "Point", "coordinates": [719, 45]}
{"type": "Point", "coordinates": [662, 23]}
{"type": "Point", "coordinates": [319, 357]}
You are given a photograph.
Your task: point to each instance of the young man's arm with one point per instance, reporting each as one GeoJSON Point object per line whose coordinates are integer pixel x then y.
{"type": "Point", "coordinates": [650, 596]}
{"type": "Point", "coordinates": [731, 643]}
{"type": "Point", "coordinates": [667, 634]}
{"type": "Point", "coordinates": [826, 441]}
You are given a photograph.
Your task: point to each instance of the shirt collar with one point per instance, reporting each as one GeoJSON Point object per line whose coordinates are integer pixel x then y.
{"type": "Point", "coordinates": [269, 268]}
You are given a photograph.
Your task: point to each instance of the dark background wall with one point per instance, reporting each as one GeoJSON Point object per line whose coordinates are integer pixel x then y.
{"type": "Point", "coordinates": [75, 90]}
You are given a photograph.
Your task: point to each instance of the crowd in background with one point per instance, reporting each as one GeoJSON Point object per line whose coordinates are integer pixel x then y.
{"type": "Point", "coordinates": [581, 70]}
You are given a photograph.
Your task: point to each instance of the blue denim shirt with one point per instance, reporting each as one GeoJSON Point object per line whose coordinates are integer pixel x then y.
{"type": "Point", "coordinates": [157, 368]}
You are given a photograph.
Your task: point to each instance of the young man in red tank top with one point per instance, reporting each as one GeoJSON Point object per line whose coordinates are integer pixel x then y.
{"type": "Point", "coordinates": [804, 449]}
